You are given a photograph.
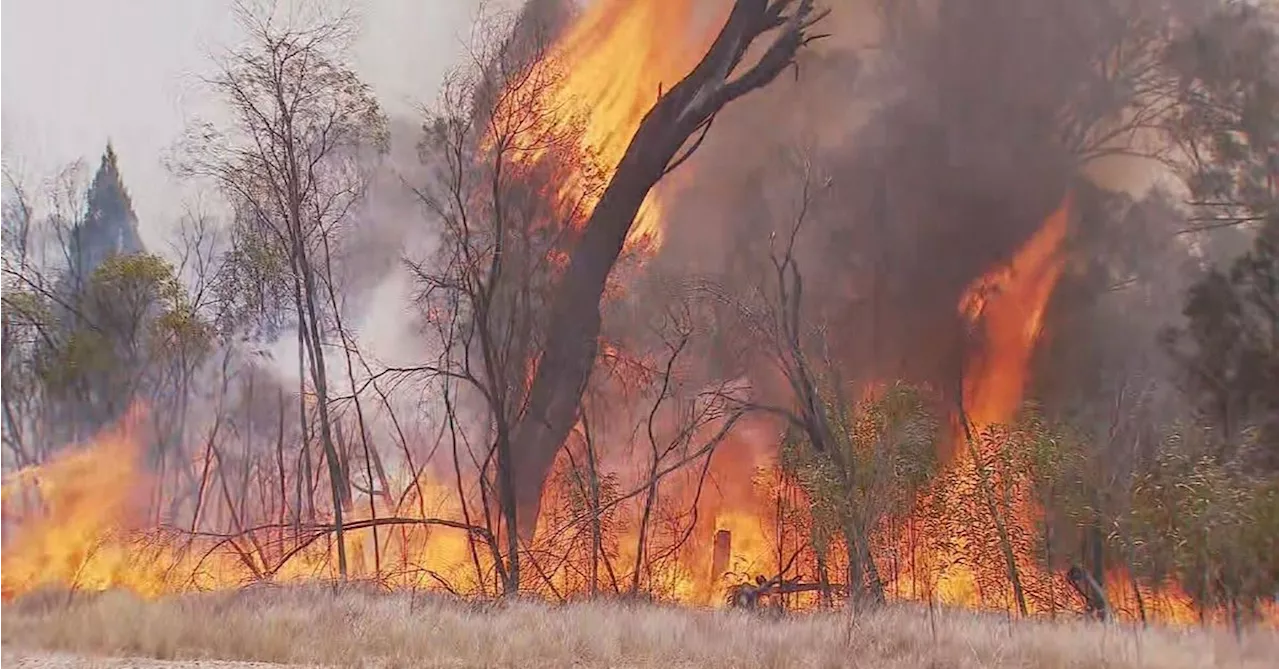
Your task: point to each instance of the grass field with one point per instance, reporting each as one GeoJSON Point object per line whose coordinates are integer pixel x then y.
{"type": "Point", "coordinates": [315, 626]}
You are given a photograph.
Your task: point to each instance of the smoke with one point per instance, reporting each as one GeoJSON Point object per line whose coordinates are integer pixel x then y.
{"type": "Point", "coordinates": [937, 138]}
{"type": "Point", "coordinates": [377, 258]}
{"type": "Point", "coordinates": [392, 230]}
{"type": "Point", "coordinates": [947, 132]}
{"type": "Point", "coordinates": [944, 134]}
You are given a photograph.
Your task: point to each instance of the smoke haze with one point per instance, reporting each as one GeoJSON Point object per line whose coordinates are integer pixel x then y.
{"type": "Point", "coordinates": [945, 141]}
{"type": "Point", "coordinates": [78, 73]}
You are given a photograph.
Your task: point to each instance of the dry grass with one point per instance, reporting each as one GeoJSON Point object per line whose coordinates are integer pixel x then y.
{"type": "Point", "coordinates": [354, 628]}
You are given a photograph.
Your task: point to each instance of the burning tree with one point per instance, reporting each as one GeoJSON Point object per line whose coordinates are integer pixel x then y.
{"type": "Point", "coordinates": [882, 456]}
{"type": "Point", "coordinates": [496, 154]}
{"type": "Point", "coordinates": [517, 304]}
{"type": "Point", "coordinates": [654, 150]}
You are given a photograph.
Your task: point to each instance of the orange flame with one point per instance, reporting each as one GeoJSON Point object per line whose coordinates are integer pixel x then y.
{"type": "Point", "coordinates": [79, 522]}
{"type": "Point", "coordinates": [618, 57]}
{"type": "Point", "coordinates": [89, 498]}
{"type": "Point", "coordinates": [90, 531]}
{"type": "Point", "coordinates": [1008, 303]}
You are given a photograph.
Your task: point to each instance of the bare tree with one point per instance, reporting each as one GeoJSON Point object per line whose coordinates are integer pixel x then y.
{"type": "Point", "coordinates": [26, 329]}
{"type": "Point", "coordinates": [293, 157]}
{"type": "Point", "coordinates": [18, 335]}
{"type": "Point", "coordinates": [495, 147]}
{"type": "Point", "coordinates": [815, 405]}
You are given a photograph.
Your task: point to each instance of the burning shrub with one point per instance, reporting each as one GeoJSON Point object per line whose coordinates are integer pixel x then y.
{"type": "Point", "coordinates": [882, 452]}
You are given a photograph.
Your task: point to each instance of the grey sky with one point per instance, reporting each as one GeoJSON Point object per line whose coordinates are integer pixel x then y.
{"type": "Point", "coordinates": [77, 72]}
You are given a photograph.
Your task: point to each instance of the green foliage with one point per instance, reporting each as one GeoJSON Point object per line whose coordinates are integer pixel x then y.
{"type": "Point", "coordinates": [1228, 354]}
{"type": "Point", "coordinates": [1205, 512]}
{"type": "Point", "coordinates": [1208, 526]}
{"type": "Point", "coordinates": [1226, 121]}
{"type": "Point", "coordinates": [136, 278]}
{"type": "Point", "coordinates": [1054, 460]}
{"type": "Point", "coordinates": [139, 295]}
{"type": "Point", "coordinates": [887, 451]}
{"type": "Point", "coordinates": [253, 284]}
{"type": "Point", "coordinates": [1227, 124]}
{"type": "Point", "coordinates": [84, 353]}
{"type": "Point", "coordinates": [26, 307]}
{"type": "Point", "coordinates": [1050, 453]}
{"type": "Point", "coordinates": [182, 331]}
{"type": "Point", "coordinates": [110, 340]}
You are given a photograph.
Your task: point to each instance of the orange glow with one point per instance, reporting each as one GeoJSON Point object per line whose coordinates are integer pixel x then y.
{"type": "Point", "coordinates": [88, 497]}
{"type": "Point", "coordinates": [79, 522]}
{"type": "Point", "coordinates": [678, 561]}
{"type": "Point", "coordinates": [82, 521]}
{"type": "Point", "coordinates": [615, 60]}
{"type": "Point", "coordinates": [1008, 304]}
{"type": "Point", "coordinates": [1006, 308]}
{"type": "Point", "coordinates": [85, 519]}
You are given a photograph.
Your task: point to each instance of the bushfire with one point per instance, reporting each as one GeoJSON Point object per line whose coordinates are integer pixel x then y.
{"type": "Point", "coordinates": [92, 518]}
{"type": "Point", "coordinates": [86, 519]}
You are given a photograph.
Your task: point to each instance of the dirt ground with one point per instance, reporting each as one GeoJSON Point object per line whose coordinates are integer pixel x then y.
{"type": "Point", "coordinates": [21, 659]}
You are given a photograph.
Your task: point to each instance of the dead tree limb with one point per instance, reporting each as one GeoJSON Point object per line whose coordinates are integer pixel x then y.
{"type": "Point", "coordinates": [680, 112]}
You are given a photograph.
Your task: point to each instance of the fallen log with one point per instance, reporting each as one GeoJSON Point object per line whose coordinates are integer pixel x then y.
{"type": "Point", "coordinates": [748, 595]}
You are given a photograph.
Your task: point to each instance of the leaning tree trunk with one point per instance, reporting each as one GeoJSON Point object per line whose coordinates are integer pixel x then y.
{"type": "Point", "coordinates": [686, 109]}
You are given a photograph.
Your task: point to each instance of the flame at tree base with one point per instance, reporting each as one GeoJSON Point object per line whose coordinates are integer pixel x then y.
{"type": "Point", "coordinates": [86, 520]}
{"type": "Point", "coordinates": [80, 523]}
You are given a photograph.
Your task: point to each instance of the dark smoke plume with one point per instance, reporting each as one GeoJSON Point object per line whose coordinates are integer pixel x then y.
{"type": "Point", "coordinates": [948, 134]}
